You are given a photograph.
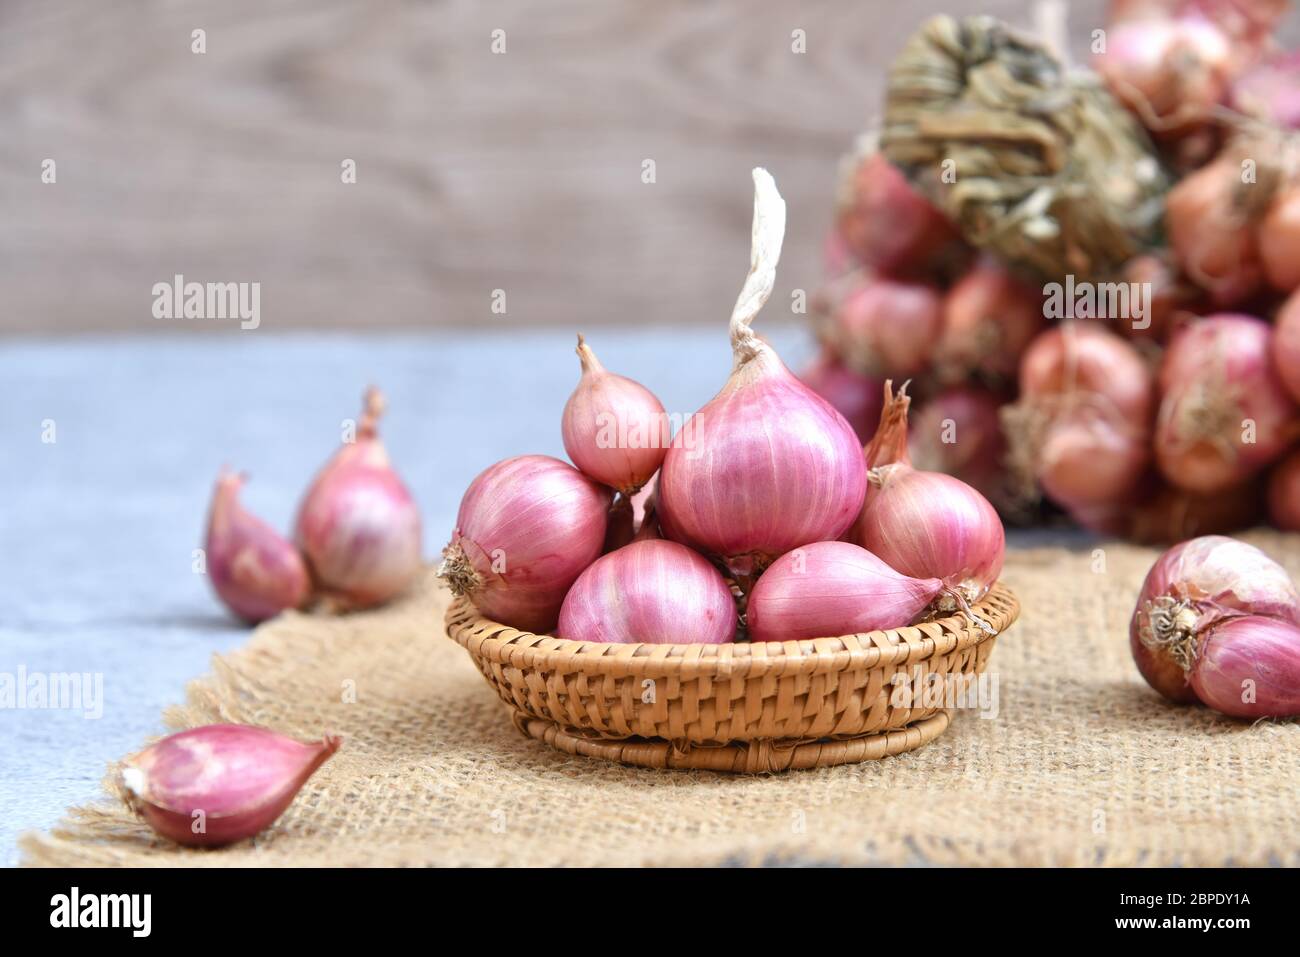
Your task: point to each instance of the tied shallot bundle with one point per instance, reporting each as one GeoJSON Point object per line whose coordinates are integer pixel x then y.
{"type": "Point", "coordinates": [926, 525]}
{"type": "Point", "coordinates": [1224, 414]}
{"type": "Point", "coordinates": [1218, 621]}
{"type": "Point", "coordinates": [768, 465]}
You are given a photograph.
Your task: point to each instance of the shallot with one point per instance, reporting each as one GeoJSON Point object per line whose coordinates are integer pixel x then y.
{"type": "Point", "coordinates": [656, 592]}
{"type": "Point", "coordinates": [219, 783]}
{"type": "Point", "coordinates": [1210, 218]}
{"type": "Point", "coordinates": [526, 529]}
{"type": "Point", "coordinates": [1191, 589]}
{"type": "Point", "coordinates": [1224, 414]}
{"type": "Point", "coordinates": [358, 525]}
{"type": "Point", "coordinates": [958, 431]}
{"type": "Point", "coordinates": [925, 524]}
{"type": "Point", "coordinates": [768, 465]}
{"type": "Point", "coordinates": [989, 319]}
{"type": "Point", "coordinates": [253, 568]}
{"type": "Point", "coordinates": [1284, 493]}
{"type": "Point", "coordinates": [614, 428]}
{"type": "Point", "coordinates": [1279, 240]}
{"type": "Point", "coordinates": [1286, 345]}
{"type": "Point", "coordinates": [1249, 667]}
{"type": "Point", "coordinates": [1081, 428]}
{"type": "Point", "coordinates": [886, 326]}
{"type": "Point", "coordinates": [828, 589]}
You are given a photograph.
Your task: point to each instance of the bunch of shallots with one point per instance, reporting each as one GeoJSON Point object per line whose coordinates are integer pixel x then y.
{"type": "Point", "coordinates": [1156, 403]}
{"type": "Point", "coordinates": [357, 542]}
{"type": "Point", "coordinates": [764, 497]}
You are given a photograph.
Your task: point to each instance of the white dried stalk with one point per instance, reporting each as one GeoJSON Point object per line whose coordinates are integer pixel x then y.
{"type": "Point", "coordinates": [764, 253]}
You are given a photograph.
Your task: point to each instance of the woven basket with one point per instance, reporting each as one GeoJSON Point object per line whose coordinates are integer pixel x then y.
{"type": "Point", "coordinates": [765, 706]}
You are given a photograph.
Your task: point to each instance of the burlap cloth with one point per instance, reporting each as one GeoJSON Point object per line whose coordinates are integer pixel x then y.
{"type": "Point", "coordinates": [1082, 765]}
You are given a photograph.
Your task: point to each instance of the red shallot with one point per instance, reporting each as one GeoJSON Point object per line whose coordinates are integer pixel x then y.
{"type": "Point", "coordinates": [526, 529]}
{"type": "Point", "coordinates": [1249, 667]}
{"type": "Point", "coordinates": [1286, 345]}
{"type": "Point", "coordinates": [253, 568]}
{"type": "Point", "coordinates": [958, 431]}
{"type": "Point", "coordinates": [886, 326]}
{"type": "Point", "coordinates": [989, 319]}
{"type": "Point", "coordinates": [1210, 218]}
{"type": "Point", "coordinates": [828, 589]}
{"type": "Point", "coordinates": [656, 592]}
{"type": "Point", "coordinates": [219, 783]}
{"type": "Point", "coordinates": [1191, 589]}
{"type": "Point", "coordinates": [926, 524]}
{"type": "Point", "coordinates": [1279, 239]}
{"type": "Point", "coordinates": [767, 465]}
{"type": "Point", "coordinates": [358, 525]}
{"type": "Point", "coordinates": [615, 430]}
{"type": "Point", "coordinates": [1224, 414]}
{"type": "Point", "coordinates": [1081, 428]}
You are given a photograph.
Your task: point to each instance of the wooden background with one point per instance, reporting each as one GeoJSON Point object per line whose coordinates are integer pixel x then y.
{"type": "Point", "coordinates": [475, 171]}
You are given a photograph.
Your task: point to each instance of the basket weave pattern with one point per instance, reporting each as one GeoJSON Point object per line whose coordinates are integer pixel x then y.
{"type": "Point", "coordinates": [741, 707]}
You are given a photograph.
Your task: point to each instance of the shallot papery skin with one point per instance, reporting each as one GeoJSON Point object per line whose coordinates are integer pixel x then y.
{"type": "Point", "coordinates": [1224, 414]}
{"type": "Point", "coordinates": [358, 525]}
{"type": "Point", "coordinates": [219, 783]}
{"type": "Point", "coordinates": [1190, 589]}
{"type": "Point", "coordinates": [1249, 667]}
{"type": "Point", "coordinates": [989, 319]}
{"type": "Point", "coordinates": [1279, 239]}
{"type": "Point", "coordinates": [614, 428]}
{"type": "Point", "coordinates": [766, 465]}
{"type": "Point", "coordinates": [885, 222]}
{"type": "Point", "coordinates": [886, 326]}
{"type": "Point", "coordinates": [829, 589]}
{"type": "Point", "coordinates": [926, 524]}
{"type": "Point", "coordinates": [854, 396]}
{"type": "Point", "coordinates": [1211, 231]}
{"type": "Point", "coordinates": [1286, 345]}
{"type": "Point", "coordinates": [526, 529]}
{"type": "Point", "coordinates": [652, 592]}
{"type": "Point", "coordinates": [254, 569]}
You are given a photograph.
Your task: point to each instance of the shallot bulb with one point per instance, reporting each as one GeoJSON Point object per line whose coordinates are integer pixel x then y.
{"type": "Point", "coordinates": [1279, 239]}
{"type": "Point", "coordinates": [1224, 414]}
{"type": "Point", "coordinates": [219, 783]}
{"type": "Point", "coordinates": [615, 430]}
{"type": "Point", "coordinates": [526, 529]}
{"type": "Point", "coordinates": [254, 569]}
{"type": "Point", "coordinates": [828, 589]}
{"type": "Point", "coordinates": [1249, 667]}
{"type": "Point", "coordinates": [767, 465]}
{"type": "Point", "coordinates": [655, 592]}
{"type": "Point", "coordinates": [886, 326]}
{"type": "Point", "coordinates": [926, 524]}
{"type": "Point", "coordinates": [1286, 345]}
{"type": "Point", "coordinates": [1210, 219]}
{"type": "Point", "coordinates": [1189, 592]}
{"type": "Point", "coordinates": [855, 396]}
{"type": "Point", "coordinates": [1284, 493]}
{"type": "Point", "coordinates": [958, 431]}
{"type": "Point", "coordinates": [989, 319]}
{"type": "Point", "coordinates": [1172, 72]}
{"type": "Point", "coordinates": [358, 525]}
{"type": "Point", "coordinates": [1081, 428]}
{"type": "Point", "coordinates": [1174, 300]}
{"type": "Point", "coordinates": [1271, 92]}
{"type": "Point", "coordinates": [885, 223]}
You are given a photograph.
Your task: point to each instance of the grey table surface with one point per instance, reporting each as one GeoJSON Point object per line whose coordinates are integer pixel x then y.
{"type": "Point", "coordinates": [98, 526]}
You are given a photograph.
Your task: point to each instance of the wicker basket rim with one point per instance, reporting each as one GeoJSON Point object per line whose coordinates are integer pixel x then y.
{"type": "Point", "coordinates": [912, 643]}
